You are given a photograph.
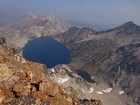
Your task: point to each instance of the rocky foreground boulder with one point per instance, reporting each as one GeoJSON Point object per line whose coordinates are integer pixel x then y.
{"type": "Point", "coordinates": [27, 83]}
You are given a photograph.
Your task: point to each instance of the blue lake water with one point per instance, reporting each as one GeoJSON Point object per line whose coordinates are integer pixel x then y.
{"type": "Point", "coordinates": [47, 51]}
{"type": "Point", "coordinates": [85, 75]}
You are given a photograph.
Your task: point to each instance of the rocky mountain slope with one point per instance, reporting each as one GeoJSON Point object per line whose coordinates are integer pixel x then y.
{"type": "Point", "coordinates": [72, 83]}
{"type": "Point", "coordinates": [111, 57]}
{"type": "Point", "coordinates": [23, 82]}
{"type": "Point", "coordinates": [30, 26]}
{"type": "Point", "coordinates": [75, 34]}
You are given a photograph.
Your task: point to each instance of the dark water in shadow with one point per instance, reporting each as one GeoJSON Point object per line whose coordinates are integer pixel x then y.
{"type": "Point", "coordinates": [47, 51]}
{"type": "Point", "coordinates": [85, 75]}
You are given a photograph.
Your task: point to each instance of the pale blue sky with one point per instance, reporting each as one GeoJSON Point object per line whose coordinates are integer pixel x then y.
{"type": "Point", "coordinates": [102, 14]}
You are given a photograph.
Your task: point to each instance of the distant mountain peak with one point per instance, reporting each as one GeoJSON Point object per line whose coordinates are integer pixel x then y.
{"type": "Point", "coordinates": [51, 17]}
{"type": "Point", "coordinates": [29, 16]}
{"type": "Point", "coordinates": [129, 24]}
{"type": "Point", "coordinates": [127, 28]}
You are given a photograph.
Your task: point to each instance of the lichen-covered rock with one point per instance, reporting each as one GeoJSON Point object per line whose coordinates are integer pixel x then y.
{"type": "Point", "coordinates": [22, 87]}
{"type": "Point", "coordinates": [5, 71]}
{"type": "Point", "coordinates": [54, 94]}
{"type": "Point", "coordinates": [2, 95]}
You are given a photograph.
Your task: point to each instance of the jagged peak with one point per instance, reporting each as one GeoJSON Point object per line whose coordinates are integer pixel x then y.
{"type": "Point", "coordinates": [129, 23]}
{"type": "Point", "coordinates": [127, 28]}
{"type": "Point", "coordinates": [73, 28]}
{"type": "Point", "coordinates": [30, 14]}
{"type": "Point", "coordinates": [50, 17]}
{"type": "Point", "coordinates": [78, 27]}
{"type": "Point", "coordinates": [88, 28]}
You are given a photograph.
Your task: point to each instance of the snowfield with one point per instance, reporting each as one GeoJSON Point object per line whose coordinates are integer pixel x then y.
{"type": "Point", "coordinates": [99, 92]}
{"type": "Point", "coordinates": [91, 90]}
{"type": "Point", "coordinates": [108, 90]}
{"type": "Point", "coordinates": [52, 70]}
{"type": "Point", "coordinates": [62, 80]}
{"type": "Point", "coordinates": [121, 92]}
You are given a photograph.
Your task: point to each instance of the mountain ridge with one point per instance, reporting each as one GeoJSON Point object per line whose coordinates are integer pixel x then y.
{"type": "Point", "coordinates": [111, 57]}
{"type": "Point", "coordinates": [125, 27]}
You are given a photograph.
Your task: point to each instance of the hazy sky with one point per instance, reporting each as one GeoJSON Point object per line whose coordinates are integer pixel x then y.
{"type": "Point", "coordinates": [103, 14]}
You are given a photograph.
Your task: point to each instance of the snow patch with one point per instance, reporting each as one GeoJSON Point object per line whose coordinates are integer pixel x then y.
{"type": "Point", "coordinates": [75, 75]}
{"type": "Point", "coordinates": [91, 90]}
{"type": "Point", "coordinates": [38, 36]}
{"type": "Point", "coordinates": [121, 92]}
{"type": "Point", "coordinates": [99, 92]}
{"type": "Point", "coordinates": [62, 80]}
{"type": "Point", "coordinates": [108, 90]}
{"type": "Point", "coordinates": [52, 70]}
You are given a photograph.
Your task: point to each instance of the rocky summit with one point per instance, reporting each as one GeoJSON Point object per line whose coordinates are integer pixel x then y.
{"type": "Point", "coordinates": [27, 83]}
